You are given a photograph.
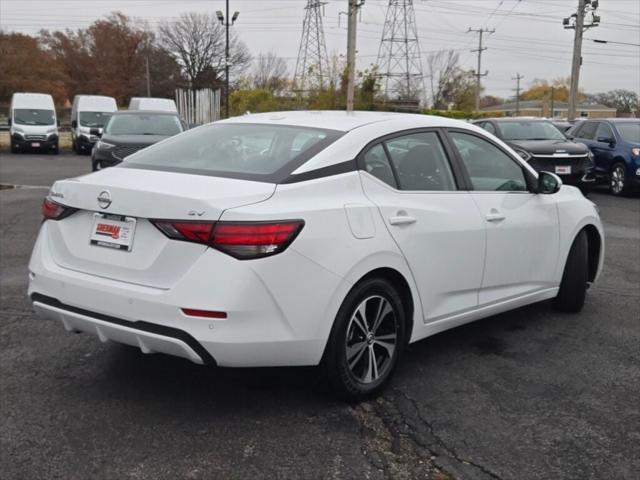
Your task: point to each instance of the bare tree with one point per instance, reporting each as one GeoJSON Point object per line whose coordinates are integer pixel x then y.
{"type": "Point", "coordinates": [270, 72]}
{"type": "Point", "coordinates": [442, 67]}
{"type": "Point", "coordinates": [197, 42]}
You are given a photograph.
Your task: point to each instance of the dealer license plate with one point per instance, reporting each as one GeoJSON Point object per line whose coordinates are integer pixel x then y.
{"type": "Point", "coordinates": [113, 232]}
{"type": "Point", "coordinates": [563, 170]}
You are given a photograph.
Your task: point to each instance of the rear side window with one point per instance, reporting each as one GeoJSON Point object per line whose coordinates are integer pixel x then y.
{"type": "Point", "coordinates": [237, 150]}
{"type": "Point", "coordinates": [489, 167]}
{"type": "Point", "coordinates": [420, 162]}
{"type": "Point", "coordinates": [377, 164]}
{"type": "Point", "coordinates": [588, 130]}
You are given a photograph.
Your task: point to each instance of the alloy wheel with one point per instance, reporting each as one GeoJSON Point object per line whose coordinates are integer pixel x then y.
{"type": "Point", "coordinates": [617, 180]}
{"type": "Point", "coordinates": [371, 339]}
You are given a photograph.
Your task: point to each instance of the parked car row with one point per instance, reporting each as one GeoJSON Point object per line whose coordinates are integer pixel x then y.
{"type": "Point", "coordinates": [34, 126]}
{"type": "Point", "coordinates": [589, 152]}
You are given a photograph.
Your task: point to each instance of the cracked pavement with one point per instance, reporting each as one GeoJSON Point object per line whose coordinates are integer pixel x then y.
{"type": "Point", "coordinates": [526, 395]}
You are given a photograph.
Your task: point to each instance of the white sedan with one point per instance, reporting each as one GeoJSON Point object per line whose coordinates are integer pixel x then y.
{"type": "Point", "coordinates": [310, 238]}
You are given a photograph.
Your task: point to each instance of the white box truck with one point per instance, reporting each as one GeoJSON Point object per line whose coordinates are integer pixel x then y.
{"type": "Point", "coordinates": [32, 123]}
{"type": "Point", "coordinates": [89, 115]}
{"type": "Point", "coordinates": [153, 103]}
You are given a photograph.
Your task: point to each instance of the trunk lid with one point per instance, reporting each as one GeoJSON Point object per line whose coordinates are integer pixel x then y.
{"type": "Point", "coordinates": [154, 260]}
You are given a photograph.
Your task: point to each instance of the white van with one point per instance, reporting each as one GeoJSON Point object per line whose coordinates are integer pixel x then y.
{"type": "Point", "coordinates": [89, 113]}
{"type": "Point", "coordinates": [153, 103]}
{"type": "Point", "coordinates": [32, 123]}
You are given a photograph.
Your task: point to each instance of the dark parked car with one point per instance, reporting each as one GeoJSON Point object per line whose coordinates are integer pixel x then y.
{"type": "Point", "coordinates": [545, 147]}
{"type": "Point", "coordinates": [563, 125]}
{"type": "Point", "coordinates": [128, 131]}
{"type": "Point", "coordinates": [615, 144]}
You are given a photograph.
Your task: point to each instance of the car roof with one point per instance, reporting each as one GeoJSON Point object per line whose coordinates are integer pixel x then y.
{"type": "Point", "coordinates": [340, 120]}
{"type": "Point", "coordinates": [145, 112]}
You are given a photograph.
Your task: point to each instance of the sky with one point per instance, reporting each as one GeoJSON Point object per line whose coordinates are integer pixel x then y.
{"type": "Point", "coordinates": [529, 38]}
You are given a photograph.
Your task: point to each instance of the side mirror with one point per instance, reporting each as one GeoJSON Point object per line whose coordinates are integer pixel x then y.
{"type": "Point", "coordinates": [548, 183]}
{"type": "Point", "coordinates": [610, 140]}
{"type": "Point", "coordinates": [74, 123]}
{"type": "Point", "coordinates": [95, 131]}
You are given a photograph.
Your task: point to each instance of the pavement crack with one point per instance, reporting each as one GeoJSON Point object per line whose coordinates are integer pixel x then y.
{"type": "Point", "coordinates": [439, 441]}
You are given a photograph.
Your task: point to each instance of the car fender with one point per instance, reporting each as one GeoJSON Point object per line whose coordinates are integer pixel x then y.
{"type": "Point", "coordinates": [575, 213]}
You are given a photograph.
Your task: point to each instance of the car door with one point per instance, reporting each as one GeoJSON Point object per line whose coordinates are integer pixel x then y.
{"type": "Point", "coordinates": [587, 134]}
{"type": "Point", "coordinates": [434, 223]}
{"type": "Point", "coordinates": [603, 148]}
{"type": "Point", "coordinates": [522, 233]}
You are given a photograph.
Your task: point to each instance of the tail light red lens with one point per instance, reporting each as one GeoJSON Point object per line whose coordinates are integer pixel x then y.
{"type": "Point", "coordinates": [54, 211]}
{"type": "Point", "coordinates": [242, 240]}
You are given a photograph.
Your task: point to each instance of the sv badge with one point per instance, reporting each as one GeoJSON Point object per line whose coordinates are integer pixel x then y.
{"type": "Point", "coordinates": [195, 213]}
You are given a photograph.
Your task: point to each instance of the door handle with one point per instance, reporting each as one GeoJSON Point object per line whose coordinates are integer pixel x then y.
{"type": "Point", "coordinates": [494, 216]}
{"type": "Point", "coordinates": [402, 220]}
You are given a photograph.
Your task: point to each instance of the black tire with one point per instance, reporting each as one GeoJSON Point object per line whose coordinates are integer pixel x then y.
{"type": "Point", "coordinates": [14, 149]}
{"type": "Point", "coordinates": [95, 166]}
{"type": "Point", "coordinates": [56, 149]}
{"type": "Point", "coordinates": [74, 146]}
{"type": "Point", "coordinates": [573, 288]}
{"type": "Point", "coordinates": [355, 380]}
{"type": "Point", "coordinates": [585, 189]}
{"type": "Point", "coordinates": [617, 179]}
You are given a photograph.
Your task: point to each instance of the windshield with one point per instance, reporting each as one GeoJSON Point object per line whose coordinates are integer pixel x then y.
{"type": "Point", "coordinates": [30, 116]}
{"type": "Point", "coordinates": [629, 131]}
{"type": "Point", "coordinates": [165, 125]}
{"type": "Point", "coordinates": [94, 119]}
{"type": "Point", "coordinates": [247, 151]}
{"type": "Point", "coordinates": [525, 130]}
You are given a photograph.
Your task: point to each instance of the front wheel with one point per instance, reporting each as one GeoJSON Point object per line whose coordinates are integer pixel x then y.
{"type": "Point", "coordinates": [573, 288]}
{"type": "Point", "coordinates": [617, 183]}
{"type": "Point", "coordinates": [56, 149]}
{"type": "Point", "coordinates": [366, 340]}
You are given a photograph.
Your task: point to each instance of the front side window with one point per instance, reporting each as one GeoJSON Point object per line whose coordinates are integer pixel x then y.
{"type": "Point", "coordinates": [134, 124]}
{"type": "Point", "coordinates": [604, 131]}
{"type": "Point", "coordinates": [94, 119]}
{"type": "Point", "coordinates": [630, 132]}
{"type": "Point", "coordinates": [33, 116]}
{"type": "Point", "coordinates": [420, 162]}
{"type": "Point", "coordinates": [489, 167]}
{"type": "Point", "coordinates": [235, 150]}
{"type": "Point", "coordinates": [489, 128]}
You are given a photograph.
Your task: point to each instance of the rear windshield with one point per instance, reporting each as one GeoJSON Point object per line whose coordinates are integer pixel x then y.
{"type": "Point", "coordinates": [33, 116]}
{"type": "Point", "coordinates": [629, 131]}
{"type": "Point", "coordinates": [266, 153]}
{"type": "Point", "coordinates": [94, 119]}
{"type": "Point", "coordinates": [525, 130]}
{"type": "Point", "coordinates": [131, 124]}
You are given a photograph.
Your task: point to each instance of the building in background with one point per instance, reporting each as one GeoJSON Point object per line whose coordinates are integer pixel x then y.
{"type": "Point", "coordinates": [542, 108]}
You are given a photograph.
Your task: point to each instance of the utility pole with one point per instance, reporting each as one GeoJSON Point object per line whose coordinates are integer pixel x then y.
{"type": "Point", "coordinates": [146, 58]}
{"type": "Point", "coordinates": [227, 22]}
{"type": "Point", "coordinates": [352, 15]}
{"type": "Point", "coordinates": [517, 78]}
{"type": "Point", "coordinates": [480, 49]}
{"type": "Point", "coordinates": [580, 21]}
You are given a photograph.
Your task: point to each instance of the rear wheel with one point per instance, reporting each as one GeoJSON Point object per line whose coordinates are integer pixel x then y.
{"type": "Point", "coordinates": [366, 340]}
{"type": "Point", "coordinates": [573, 288]}
{"type": "Point", "coordinates": [14, 149]}
{"type": "Point", "coordinates": [617, 183]}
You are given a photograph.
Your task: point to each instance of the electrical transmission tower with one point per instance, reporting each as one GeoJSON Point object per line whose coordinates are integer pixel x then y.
{"type": "Point", "coordinates": [312, 66]}
{"type": "Point", "coordinates": [399, 59]}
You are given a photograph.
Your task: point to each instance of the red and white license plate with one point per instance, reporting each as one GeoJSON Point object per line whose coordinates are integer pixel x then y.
{"type": "Point", "coordinates": [563, 170]}
{"type": "Point", "coordinates": [35, 144]}
{"type": "Point", "coordinates": [113, 232]}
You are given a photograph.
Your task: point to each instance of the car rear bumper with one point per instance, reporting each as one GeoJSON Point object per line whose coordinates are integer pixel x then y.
{"type": "Point", "coordinates": [279, 309]}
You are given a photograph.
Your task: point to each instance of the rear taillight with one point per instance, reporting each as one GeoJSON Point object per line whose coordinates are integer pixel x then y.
{"type": "Point", "coordinates": [54, 211]}
{"type": "Point", "coordinates": [242, 240]}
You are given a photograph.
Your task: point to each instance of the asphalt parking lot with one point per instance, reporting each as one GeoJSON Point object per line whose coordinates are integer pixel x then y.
{"type": "Point", "coordinates": [530, 394]}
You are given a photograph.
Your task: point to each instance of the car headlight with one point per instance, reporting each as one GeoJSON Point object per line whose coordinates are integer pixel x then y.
{"type": "Point", "coordinates": [523, 153]}
{"type": "Point", "coordinates": [104, 145]}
